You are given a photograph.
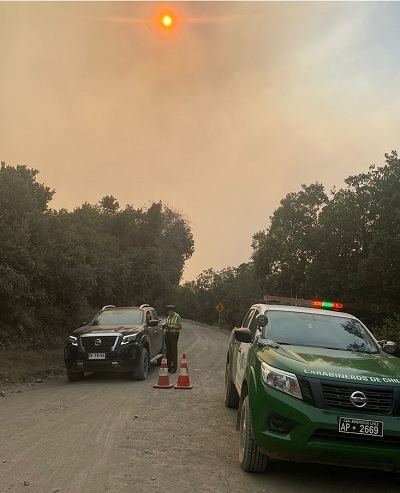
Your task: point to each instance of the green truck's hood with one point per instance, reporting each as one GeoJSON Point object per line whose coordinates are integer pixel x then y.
{"type": "Point", "coordinates": [327, 364]}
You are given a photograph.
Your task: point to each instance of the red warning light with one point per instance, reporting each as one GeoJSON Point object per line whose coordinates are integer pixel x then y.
{"type": "Point", "coordinates": [327, 304]}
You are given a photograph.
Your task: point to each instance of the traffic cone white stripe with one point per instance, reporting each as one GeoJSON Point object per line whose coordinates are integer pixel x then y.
{"type": "Point", "coordinates": [163, 379]}
{"type": "Point", "coordinates": [183, 379]}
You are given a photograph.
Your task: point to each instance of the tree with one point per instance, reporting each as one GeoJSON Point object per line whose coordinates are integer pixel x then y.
{"type": "Point", "coordinates": [55, 266]}
{"type": "Point", "coordinates": [22, 202]}
{"type": "Point", "coordinates": [359, 254]}
{"type": "Point", "coordinates": [283, 252]}
{"type": "Point", "coordinates": [109, 204]}
{"type": "Point", "coordinates": [177, 244]}
{"type": "Point", "coordinates": [379, 269]}
{"type": "Point", "coordinates": [20, 194]}
{"type": "Point", "coordinates": [346, 247]}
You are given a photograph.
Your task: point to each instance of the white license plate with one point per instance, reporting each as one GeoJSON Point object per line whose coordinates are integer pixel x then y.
{"type": "Point", "coordinates": [97, 355]}
{"type": "Point", "coordinates": [361, 426]}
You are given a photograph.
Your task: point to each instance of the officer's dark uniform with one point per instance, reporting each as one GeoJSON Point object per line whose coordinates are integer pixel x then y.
{"type": "Point", "coordinates": [174, 325]}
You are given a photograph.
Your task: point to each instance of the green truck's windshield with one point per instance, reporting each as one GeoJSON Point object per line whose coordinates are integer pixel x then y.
{"type": "Point", "coordinates": [118, 317]}
{"type": "Point", "coordinates": [325, 331]}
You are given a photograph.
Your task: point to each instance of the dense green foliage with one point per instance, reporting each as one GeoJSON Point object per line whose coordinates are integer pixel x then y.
{"type": "Point", "coordinates": [57, 266]}
{"type": "Point", "coordinates": [343, 247]}
{"type": "Point", "coordinates": [346, 247]}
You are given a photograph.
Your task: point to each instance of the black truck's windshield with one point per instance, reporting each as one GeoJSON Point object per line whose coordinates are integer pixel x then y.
{"type": "Point", "coordinates": [118, 317]}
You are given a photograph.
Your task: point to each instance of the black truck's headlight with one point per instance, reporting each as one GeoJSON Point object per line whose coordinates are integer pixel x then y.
{"type": "Point", "coordinates": [73, 340]}
{"type": "Point", "coordinates": [129, 338]}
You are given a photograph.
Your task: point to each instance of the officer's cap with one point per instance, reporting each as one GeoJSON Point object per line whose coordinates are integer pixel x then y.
{"type": "Point", "coordinates": [170, 307]}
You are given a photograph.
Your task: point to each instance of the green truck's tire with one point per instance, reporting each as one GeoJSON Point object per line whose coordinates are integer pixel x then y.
{"type": "Point", "coordinates": [250, 458]}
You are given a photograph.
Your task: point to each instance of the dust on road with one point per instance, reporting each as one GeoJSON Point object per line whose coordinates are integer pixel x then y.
{"type": "Point", "coordinates": [110, 434]}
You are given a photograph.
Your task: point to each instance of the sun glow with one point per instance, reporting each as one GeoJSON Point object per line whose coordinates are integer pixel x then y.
{"type": "Point", "coordinates": [167, 20]}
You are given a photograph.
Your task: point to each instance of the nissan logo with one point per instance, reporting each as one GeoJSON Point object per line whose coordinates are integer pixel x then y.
{"type": "Point", "coordinates": [358, 399]}
{"type": "Point", "coordinates": [97, 342]}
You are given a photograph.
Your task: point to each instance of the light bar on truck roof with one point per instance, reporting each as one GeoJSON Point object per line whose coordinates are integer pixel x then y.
{"type": "Point", "coordinates": [280, 300]}
{"type": "Point", "coordinates": [327, 304]}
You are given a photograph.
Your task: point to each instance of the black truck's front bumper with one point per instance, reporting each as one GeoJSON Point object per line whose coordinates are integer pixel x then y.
{"type": "Point", "coordinates": [122, 360]}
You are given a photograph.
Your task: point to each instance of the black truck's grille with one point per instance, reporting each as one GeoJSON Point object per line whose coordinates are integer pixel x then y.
{"type": "Point", "coordinates": [92, 345]}
{"type": "Point", "coordinates": [338, 397]}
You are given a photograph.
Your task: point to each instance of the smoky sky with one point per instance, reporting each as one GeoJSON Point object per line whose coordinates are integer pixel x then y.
{"type": "Point", "coordinates": [220, 119]}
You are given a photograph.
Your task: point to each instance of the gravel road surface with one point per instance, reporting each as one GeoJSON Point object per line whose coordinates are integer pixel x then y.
{"type": "Point", "coordinates": [109, 434]}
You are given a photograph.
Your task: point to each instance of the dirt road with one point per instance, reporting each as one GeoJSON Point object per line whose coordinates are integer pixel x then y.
{"type": "Point", "coordinates": [110, 434]}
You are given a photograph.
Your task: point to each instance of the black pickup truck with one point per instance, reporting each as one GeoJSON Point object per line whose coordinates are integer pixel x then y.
{"type": "Point", "coordinates": [122, 339]}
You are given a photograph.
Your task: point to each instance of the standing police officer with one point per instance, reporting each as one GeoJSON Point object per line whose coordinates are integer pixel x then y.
{"type": "Point", "coordinates": [173, 325]}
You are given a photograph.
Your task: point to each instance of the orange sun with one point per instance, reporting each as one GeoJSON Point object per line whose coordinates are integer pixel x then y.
{"type": "Point", "coordinates": [167, 20]}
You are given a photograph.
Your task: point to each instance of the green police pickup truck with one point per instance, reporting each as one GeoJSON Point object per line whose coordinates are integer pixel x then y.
{"type": "Point", "coordinates": [312, 384]}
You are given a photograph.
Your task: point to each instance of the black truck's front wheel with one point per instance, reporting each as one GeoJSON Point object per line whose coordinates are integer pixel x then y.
{"type": "Point", "coordinates": [142, 369]}
{"type": "Point", "coordinates": [74, 376]}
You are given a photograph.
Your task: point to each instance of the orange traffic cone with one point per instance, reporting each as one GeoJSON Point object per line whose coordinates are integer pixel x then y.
{"type": "Point", "coordinates": [163, 379]}
{"type": "Point", "coordinates": [183, 378]}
